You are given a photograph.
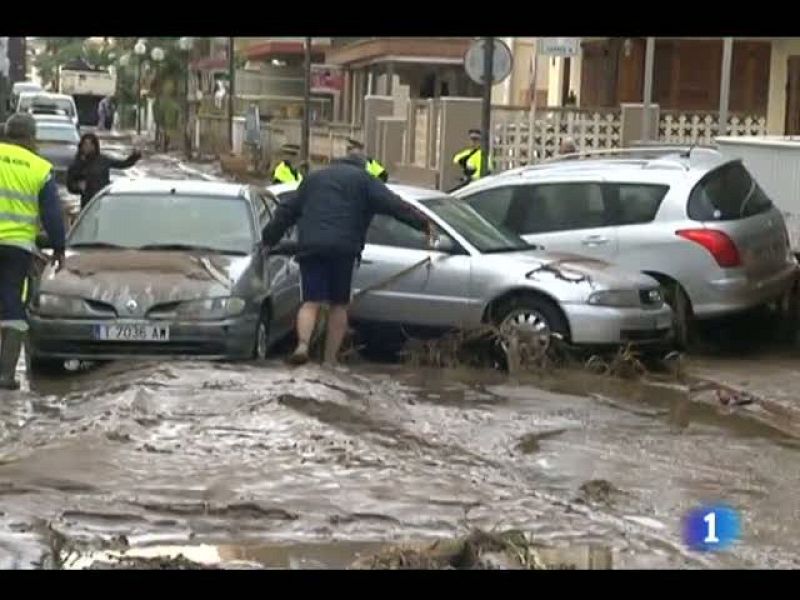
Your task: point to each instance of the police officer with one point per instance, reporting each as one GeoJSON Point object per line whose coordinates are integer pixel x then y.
{"type": "Point", "coordinates": [469, 159]}
{"type": "Point", "coordinates": [374, 168]}
{"type": "Point", "coordinates": [28, 196]}
{"type": "Point", "coordinates": [284, 171]}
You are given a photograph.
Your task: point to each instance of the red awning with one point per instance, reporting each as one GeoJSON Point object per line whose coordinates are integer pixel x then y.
{"type": "Point", "coordinates": [209, 63]}
{"type": "Point", "coordinates": [273, 48]}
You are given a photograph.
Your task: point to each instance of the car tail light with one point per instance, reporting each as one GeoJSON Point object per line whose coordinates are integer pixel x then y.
{"type": "Point", "coordinates": [717, 243]}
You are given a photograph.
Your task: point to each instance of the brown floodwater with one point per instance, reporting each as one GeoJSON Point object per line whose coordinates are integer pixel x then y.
{"type": "Point", "coordinates": [313, 467]}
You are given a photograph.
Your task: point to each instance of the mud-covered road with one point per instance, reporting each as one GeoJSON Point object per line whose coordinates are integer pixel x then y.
{"type": "Point", "coordinates": [312, 467]}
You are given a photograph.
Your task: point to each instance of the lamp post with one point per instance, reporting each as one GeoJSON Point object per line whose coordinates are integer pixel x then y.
{"type": "Point", "coordinates": [157, 54]}
{"type": "Point", "coordinates": [185, 44]}
{"type": "Point", "coordinates": [140, 49]}
{"type": "Point", "coordinates": [124, 61]}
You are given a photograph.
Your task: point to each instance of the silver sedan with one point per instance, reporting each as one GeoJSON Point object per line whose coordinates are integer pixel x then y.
{"type": "Point", "coordinates": [478, 273]}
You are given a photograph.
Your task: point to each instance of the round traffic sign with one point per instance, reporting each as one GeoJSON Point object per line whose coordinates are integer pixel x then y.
{"type": "Point", "coordinates": [502, 61]}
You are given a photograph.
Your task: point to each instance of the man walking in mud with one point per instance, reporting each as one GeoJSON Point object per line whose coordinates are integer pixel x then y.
{"type": "Point", "coordinates": [333, 208]}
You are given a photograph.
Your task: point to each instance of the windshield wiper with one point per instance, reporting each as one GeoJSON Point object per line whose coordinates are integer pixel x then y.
{"type": "Point", "coordinates": [97, 245]}
{"type": "Point", "coordinates": [192, 247]}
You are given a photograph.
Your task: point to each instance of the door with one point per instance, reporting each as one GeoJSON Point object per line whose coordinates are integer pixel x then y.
{"type": "Point", "coordinates": [408, 283]}
{"type": "Point", "coordinates": [563, 217]}
{"type": "Point", "coordinates": [793, 96]}
{"type": "Point", "coordinates": [281, 273]}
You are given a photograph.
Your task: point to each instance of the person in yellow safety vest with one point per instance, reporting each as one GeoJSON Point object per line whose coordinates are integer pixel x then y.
{"type": "Point", "coordinates": [373, 167]}
{"type": "Point", "coordinates": [28, 197]}
{"type": "Point", "coordinates": [284, 171]}
{"type": "Point", "coordinates": [469, 159]}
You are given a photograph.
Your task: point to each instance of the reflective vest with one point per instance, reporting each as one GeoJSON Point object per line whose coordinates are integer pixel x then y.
{"type": "Point", "coordinates": [376, 169]}
{"type": "Point", "coordinates": [470, 161]}
{"type": "Point", "coordinates": [22, 176]}
{"type": "Point", "coordinates": [285, 173]}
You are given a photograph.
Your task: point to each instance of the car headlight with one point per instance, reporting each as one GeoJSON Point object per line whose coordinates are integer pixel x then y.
{"type": "Point", "coordinates": [59, 306]}
{"type": "Point", "coordinates": [619, 298]}
{"type": "Point", "coordinates": [211, 308]}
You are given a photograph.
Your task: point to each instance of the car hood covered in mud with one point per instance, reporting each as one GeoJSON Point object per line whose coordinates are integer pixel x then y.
{"type": "Point", "coordinates": [149, 278]}
{"type": "Point", "coordinates": [569, 267]}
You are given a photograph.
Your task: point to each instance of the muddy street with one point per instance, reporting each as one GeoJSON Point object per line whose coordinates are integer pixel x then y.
{"type": "Point", "coordinates": [258, 464]}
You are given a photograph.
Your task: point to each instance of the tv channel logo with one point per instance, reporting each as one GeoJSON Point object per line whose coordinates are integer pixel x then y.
{"type": "Point", "coordinates": [711, 528]}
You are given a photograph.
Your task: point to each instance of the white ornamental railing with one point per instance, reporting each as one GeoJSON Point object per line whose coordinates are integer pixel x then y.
{"type": "Point", "coordinates": [514, 146]}
{"type": "Point", "coordinates": [701, 127]}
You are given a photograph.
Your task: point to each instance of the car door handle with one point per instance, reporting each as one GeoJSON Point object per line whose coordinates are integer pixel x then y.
{"type": "Point", "coordinates": [594, 240]}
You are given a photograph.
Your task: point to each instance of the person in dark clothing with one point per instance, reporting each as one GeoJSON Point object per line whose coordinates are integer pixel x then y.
{"type": "Point", "coordinates": [333, 208]}
{"type": "Point", "coordinates": [90, 171]}
{"type": "Point", "coordinates": [355, 149]}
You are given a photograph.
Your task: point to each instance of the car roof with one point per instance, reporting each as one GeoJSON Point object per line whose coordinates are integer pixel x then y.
{"type": "Point", "coordinates": [181, 187]}
{"type": "Point", "coordinates": [407, 192]}
{"type": "Point", "coordinates": [46, 96]}
{"type": "Point", "coordinates": [636, 165]}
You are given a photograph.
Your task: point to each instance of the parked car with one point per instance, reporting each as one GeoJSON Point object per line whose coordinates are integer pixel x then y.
{"type": "Point", "coordinates": [481, 273]}
{"type": "Point", "coordinates": [21, 87]}
{"type": "Point", "coordinates": [57, 141]}
{"type": "Point", "coordinates": [48, 103]}
{"type": "Point", "coordinates": [165, 268]}
{"type": "Point", "coordinates": [693, 220]}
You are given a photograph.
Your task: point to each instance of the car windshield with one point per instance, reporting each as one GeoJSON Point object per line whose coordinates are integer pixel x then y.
{"type": "Point", "coordinates": [47, 105]}
{"type": "Point", "coordinates": [46, 132]}
{"type": "Point", "coordinates": [474, 228]}
{"type": "Point", "coordinates": [168, 221]}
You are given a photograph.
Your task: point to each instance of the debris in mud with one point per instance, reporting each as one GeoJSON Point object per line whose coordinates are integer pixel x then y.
{"type": "Point", "coordinates": [598, 491]}
{"type": "Point", "coordinates": [478, 550]}
{"type": "Point", "coordinates": [179, 562]}
{"type": "Point", "coordinates": [529, 443]}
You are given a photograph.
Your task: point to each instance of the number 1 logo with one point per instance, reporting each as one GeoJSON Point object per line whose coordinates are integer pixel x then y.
{"type": "Point", "coordinates": [711, 528]}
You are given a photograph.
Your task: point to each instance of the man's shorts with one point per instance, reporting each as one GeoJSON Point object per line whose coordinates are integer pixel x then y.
{"type": "Point", "coordinates": [327, 279]}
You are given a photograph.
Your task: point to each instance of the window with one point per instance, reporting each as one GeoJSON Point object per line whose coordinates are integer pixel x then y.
{"type": "Point", "coordinates": [557, 207]}
{"type": "Point", "coordinates": [727, 193]}
{"type": "Point", "coordinates": [633, 203]}
{"type": "Point", "coordinates": [127, 220]}
{"type": "Point", "coordinates": [388, 231]}
{"type": "Point", "coordinates": [493, 204]}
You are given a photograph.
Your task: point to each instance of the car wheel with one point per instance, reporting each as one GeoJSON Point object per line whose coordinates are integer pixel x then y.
{"type": "Point", "coordinates": [534, 320]}
{"type": "Point", "coordinates": [44, 366]}
{"type": "Point", "coordinates": [678, 301]}
{"type": "Point", "coordinates": [261, 345]}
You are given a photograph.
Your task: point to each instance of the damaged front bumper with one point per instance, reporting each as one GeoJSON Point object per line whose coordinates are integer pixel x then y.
{"type": "Point", "coordinates": [210, 340]}
{"type": "Point", "coordinates": [604, 325]}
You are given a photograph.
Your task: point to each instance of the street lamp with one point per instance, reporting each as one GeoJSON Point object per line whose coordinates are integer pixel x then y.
{"type": "Point", "coordinates": [157, 54]}
{"type": "Point", "coordinates": [140, 49]}
{"type": "Point", "coordinates": [185, 44]}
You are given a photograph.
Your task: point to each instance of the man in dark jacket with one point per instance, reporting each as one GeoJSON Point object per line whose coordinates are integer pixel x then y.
{"type": "Point", "coordinates": [90, 172]}
{"type": "Point", "coordinates": [333, 209]}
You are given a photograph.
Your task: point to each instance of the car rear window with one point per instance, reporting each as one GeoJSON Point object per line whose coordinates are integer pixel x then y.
{"type": "Point", "coordinates": [726, 194]}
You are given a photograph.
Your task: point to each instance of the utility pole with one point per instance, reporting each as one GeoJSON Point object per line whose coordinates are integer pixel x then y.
{"type": "Point", "coordinates": [486, 120]}
{"type": "Point", "coordinates": [647, 100]}
{"type": "Point", "coordinates": [231, 89]}
{"type": "Point", "coordinates": [305, 150]}
{"type": "Point", "coordinates": [725, 85]}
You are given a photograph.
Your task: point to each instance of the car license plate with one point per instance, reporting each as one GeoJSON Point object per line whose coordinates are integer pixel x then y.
{"type": "Point", "coordinates": [132, 332]}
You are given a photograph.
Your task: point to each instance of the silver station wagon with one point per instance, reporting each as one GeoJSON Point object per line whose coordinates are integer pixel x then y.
{"type": "Point", "coordinates": [479, 273]}
{"type": "Point", "coordinates": [692, 219]}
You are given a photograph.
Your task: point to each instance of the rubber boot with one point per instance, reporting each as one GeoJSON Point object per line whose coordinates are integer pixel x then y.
{"type": "Point", "coordinates": [10, 347]}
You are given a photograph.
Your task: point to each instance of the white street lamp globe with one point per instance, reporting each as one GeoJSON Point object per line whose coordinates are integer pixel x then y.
{"type": "Point", "coordinates": [124, 60]}
{"type": "Point", "coordinates": [157, 54]}
{"type": "Point", "coordinates": [185, 43]}
{"type": "Point", "coordinates": [140, 49]}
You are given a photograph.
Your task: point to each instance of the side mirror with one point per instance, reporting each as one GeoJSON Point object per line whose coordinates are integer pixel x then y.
{"type": "Point", "coordinates": [43, 242]}
{"type": "Point", "coordinates": [445, 244]}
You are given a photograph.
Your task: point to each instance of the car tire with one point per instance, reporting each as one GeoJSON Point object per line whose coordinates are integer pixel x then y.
{"type": "Point", "coordinates": [44, 366]}
{"type": "Point", "coordinates": [261, 342]}
{"type": "Point", "coordinates": [677, 299]}
{"type": "Point", "coordinates": [540, 317]}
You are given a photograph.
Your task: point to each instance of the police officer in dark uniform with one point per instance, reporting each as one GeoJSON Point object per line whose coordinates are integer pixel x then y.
{"type": "Point", "coordinates": [284, 171]}
{"type": "Point", "coordinates": [373, 167]}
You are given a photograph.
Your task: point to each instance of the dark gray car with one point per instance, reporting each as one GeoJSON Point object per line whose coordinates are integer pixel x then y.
{"type": "Point", "coordinates": [57, 141]}
{"type": "Point", "coordinates": [165, 269]}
